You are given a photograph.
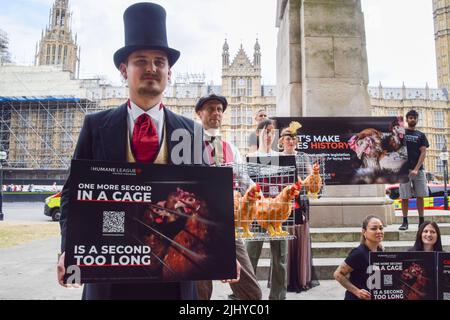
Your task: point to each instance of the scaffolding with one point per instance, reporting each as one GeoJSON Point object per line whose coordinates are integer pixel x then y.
{"type": "Point", "coordinates": [41, 132]}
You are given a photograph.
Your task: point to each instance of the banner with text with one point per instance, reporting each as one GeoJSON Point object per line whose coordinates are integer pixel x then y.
{"type": "Point", "coordinates": [134, 222]}
{"type": "Point", "coordinates": [443, 265]}
{"type": "Point", "coordinates": [356, 150]}
{"type": "Point", "coordinates": [404, 275]}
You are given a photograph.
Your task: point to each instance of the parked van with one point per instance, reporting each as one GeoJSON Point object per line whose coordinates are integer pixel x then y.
{"type": "Point", "coordinates": [52, 206]}
{"type": "Point", "coordinates": [435, 200]}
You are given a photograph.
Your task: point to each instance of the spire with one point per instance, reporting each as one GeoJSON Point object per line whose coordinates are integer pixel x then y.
{"type": "Point", "coordinates": [257, 55]}
{"type": "Point", "coordinates": [225, 46]}
{"type": "Point", "coordinates": [257, 46]}
{"type": "Point", "coordinates": [58, 35]}
{"type": "Point", "coordinates": [225, 55]}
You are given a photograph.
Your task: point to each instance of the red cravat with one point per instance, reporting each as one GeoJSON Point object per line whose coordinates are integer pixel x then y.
{"type": "Point", "coordinates": [145, 142]}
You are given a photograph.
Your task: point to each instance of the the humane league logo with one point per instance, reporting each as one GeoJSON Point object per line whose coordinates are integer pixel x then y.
{"type": "Point", "coordinates": [117, 171]}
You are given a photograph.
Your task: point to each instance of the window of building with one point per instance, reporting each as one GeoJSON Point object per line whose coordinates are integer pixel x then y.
{"type": "Point", "coordinates": [187, 112]}
{"type": "Point", "coordinates": [65, 55]}
{"type": "Point", "coordinates": [249, 116]}
{"type": "Point", "coordinates": [392, 112]}
{"type": "Point", "coordinates": [48, 119]}
{"type": "Point", "coordinates": [234, 115]}
{"type": "Point", "coordinates": [66, 142]}
{"type": "Point", "coordinates": [23, 119]}
{"type": "Point", "coordinates": [439, 167]}
{"type": "Point", "coordinates": [249, 87]}
{"type": "Point", "coordinates": [439, 119]}
{"type": "Point", "coordinates": [68, 118]}
{"type": "Point", "coordinates": [271, 111]}
{"type": "Point", "coordinates": [439, 140]}
{"type": "Point", "coordinates": [57, 17]}
{"type": "Point", "coordinates": [46, 142]}
{"type": "Point", "coordinates": [47, 58]}
{"type": "Point", "coordinates": [233, 87]}
{"type": "Point", "coordinates": [58, 61]}
{"type": "Point", "coordinates": [46, 161]}
{"type": "Point", "coordinates": [53, 53]}
{"type": "Point", "coordinates": [22, 142]}
{"type": "Point", "coordinates": [241, 87]}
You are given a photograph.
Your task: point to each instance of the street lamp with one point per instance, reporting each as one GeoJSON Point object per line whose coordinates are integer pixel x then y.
{"type": "Point", "coordinates": [3, 156]}
{"type": "Point", "coordinates": [444, 158]}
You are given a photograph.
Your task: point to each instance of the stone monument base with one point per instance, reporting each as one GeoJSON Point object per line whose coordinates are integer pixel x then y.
{"type": "Point", "coordinates": [341, 212]}
{"type": "Point", "coordinates": [336, 210]}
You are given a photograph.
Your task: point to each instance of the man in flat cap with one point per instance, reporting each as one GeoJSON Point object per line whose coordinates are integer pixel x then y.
{"type": "Point", "coordinates": [138, 131]}
{"type": "Point", "coordinates": [219, 152]}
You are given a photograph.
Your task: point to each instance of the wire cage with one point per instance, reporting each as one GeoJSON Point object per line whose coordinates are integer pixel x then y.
{"type": "Point", "coordinates": [311, 172]}
{"type": "Point", "coordinates": [264, 201]}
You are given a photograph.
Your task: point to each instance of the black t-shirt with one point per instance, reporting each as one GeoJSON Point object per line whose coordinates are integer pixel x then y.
{"type": "Point", "coordinates": [414, 140]}
{"type": "Point", "coordinates": [358, 260]}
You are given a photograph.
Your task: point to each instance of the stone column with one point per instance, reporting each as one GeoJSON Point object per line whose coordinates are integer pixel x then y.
{"type": "Point", "coordinates": [289, 70]}
{"type": "Point", "coordinates": [322, 71]}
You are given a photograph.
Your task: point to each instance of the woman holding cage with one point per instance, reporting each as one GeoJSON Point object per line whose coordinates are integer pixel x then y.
{"type": "Point", "coordinates": [278, 248]}
{"type": "Point", "coordinates": [300, 273]}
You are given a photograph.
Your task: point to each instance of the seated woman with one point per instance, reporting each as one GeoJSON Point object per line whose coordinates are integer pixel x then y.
{"type": "Point", "coordinates": [357, 262]}
{"type": "Point", "coordinates": [428, 237]}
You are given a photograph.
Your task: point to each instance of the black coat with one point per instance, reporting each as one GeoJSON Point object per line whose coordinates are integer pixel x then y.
{"type": "Point", "coordinates": [104, 137]}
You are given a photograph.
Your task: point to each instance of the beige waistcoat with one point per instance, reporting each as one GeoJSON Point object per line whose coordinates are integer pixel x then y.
{"type": "Point", "coordinates": [163, 155]}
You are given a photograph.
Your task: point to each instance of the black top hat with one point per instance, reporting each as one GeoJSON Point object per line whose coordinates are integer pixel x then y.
{"type": "Point", "coordinates": [145, 28]}
{"type": "Point", "coordinates": [210, 97]}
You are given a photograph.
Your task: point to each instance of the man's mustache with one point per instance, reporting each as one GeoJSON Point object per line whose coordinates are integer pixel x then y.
{"type": "Point", "coordinates": [150, 76]}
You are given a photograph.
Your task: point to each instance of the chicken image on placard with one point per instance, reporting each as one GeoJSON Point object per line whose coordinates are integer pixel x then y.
{"type": "Point", "coordinates": [178, 231]}
{"type": "Point", "coordinates": [189, 253]}
{"type": "Point", "coordinates": [272, 212]}
{"type": "Point", "coordinates": [313, 182]}
{"type": "Point", "coordinates": [245, 208]}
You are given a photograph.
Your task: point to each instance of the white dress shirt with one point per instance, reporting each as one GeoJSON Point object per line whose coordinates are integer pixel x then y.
{"type": "Point", "coordinates": [236, 155]}
{"type": "Point", "coordinates": [156, 113]}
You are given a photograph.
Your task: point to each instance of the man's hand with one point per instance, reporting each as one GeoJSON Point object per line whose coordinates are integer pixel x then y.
{"type": "Point", "coordinates": [413, 173]}
{"type": "Point", "coordinates": [238, 273]}
{"type": "Point", "coordinates": [61, 271]}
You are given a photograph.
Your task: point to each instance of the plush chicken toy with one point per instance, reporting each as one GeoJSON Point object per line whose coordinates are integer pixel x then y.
{"type": "Point", "coordinates": [272, 212]}
{"type": "Point", "coordinates": [313, 182]}
{"type": "Point", "coordinates": [245, 209]}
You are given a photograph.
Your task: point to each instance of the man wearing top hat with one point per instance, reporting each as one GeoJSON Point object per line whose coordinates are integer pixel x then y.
{"type": "Point", "coordinates": [137, 131]}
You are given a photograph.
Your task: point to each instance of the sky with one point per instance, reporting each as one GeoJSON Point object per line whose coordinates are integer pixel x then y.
{"type": "Point", "coordinates": [399, 35]}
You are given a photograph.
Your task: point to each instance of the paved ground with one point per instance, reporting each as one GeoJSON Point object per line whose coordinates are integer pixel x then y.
{"type": "Point", "coordinates": [24, 211]}
{"type": "Point", "coordinates": [27, 271]}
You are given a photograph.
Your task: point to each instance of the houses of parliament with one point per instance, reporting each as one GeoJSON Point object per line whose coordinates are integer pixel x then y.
{"type": "Point", "coordinates": [43, 106]}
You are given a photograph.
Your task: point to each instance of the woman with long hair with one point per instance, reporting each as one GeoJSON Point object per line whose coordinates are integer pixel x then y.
{"type": "Point", "coordinates": [357, 262]}
{"type": "Point", "coordinates": [278, 258]}
{"type": "Point", "coordinates": [266, 135]}
{"type": "Point", "coordinates": [428, 237]}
